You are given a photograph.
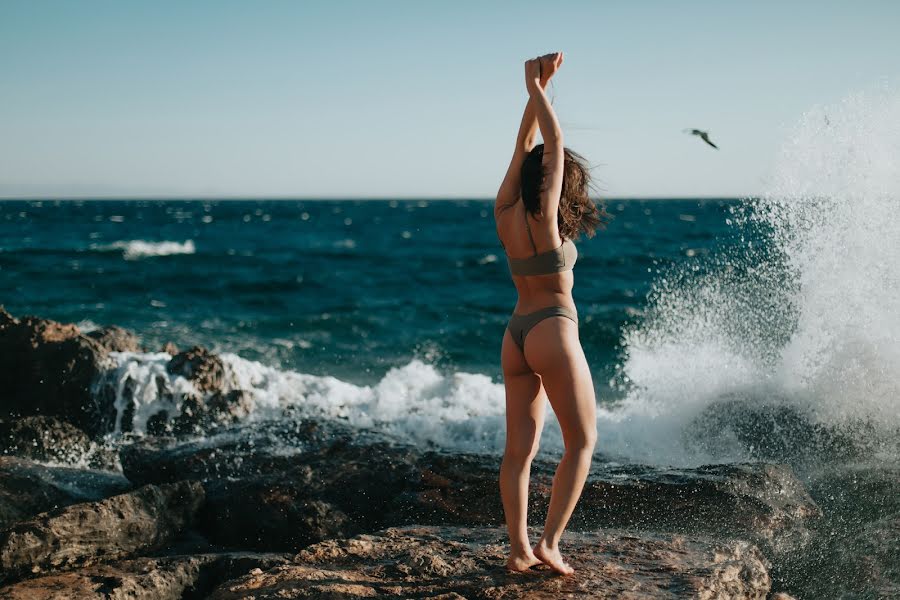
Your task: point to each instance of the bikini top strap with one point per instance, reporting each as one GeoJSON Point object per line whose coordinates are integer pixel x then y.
{"type": "Point", "coordinates": [528, 229]}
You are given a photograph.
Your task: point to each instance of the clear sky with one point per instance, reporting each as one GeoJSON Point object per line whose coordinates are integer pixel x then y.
{"type": "Point", "coordinates": [413, 98]}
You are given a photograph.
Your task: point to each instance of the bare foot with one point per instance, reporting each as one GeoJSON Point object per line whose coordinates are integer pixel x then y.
{"type": "Point", "coordinates": [522, 562]}
{"type": "Point", "coordinates": [552, 558]}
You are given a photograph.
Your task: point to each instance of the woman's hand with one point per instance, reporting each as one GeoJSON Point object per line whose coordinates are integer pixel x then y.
{"type": "Point", "coordinates": [550, 64]}
{"type": "Point", "coordinates": [538, 71]}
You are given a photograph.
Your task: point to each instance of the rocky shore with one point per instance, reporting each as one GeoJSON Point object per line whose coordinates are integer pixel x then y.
{"type": "Point", "coordinates": [211, 504]}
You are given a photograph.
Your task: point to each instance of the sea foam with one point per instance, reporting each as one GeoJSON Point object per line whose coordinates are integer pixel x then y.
{"type": "Point", "coordinates": [811, 321]}
{"type": "Point", "coordinates": [137, 249]}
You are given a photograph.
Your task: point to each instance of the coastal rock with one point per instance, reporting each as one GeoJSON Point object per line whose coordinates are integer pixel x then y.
{"type": "Point", "coordinates": [270, 513]}
{"type": "Point", "coordinates": [200, 366]}
{"type": "Point", "coordinates": [203, 414]}
{"type": "Point", "coordinates": [767, 430]}
{"type": "Point", "coordinates": [48, 369]}
{"type": "Point", "coordinates": [52, 440]}
{"type": "Point", "coordinates": [109, 529]}
{"type": "Point", "coordinates": [859, 562]}
{"type": "Point", "coordinates": [448, 562]}
{"type": "Point", "coordinates": [377, 484]}
{"type": "Point", "coordinates": [854, 550]}
{"type": "Point", "coordinates": [761, 502]}
{"type": "Point", "coordinates": [115, 339]}
{"type": "Point", "coordinates": [28, 489]}
{"type": "Point", "coordinates": [246, 451]}
{"type": "Point", "coordinates": [161, 578]}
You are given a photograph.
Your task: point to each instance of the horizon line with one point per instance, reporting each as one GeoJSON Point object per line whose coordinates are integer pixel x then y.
{"type": "Point", "coordinates": [193, 198]}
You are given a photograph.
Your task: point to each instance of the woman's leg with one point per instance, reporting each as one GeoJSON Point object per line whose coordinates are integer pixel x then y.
{"type": "Point", "coordinates": [553, 350]}
{"type": "Point", "coordinates": [525, 407]}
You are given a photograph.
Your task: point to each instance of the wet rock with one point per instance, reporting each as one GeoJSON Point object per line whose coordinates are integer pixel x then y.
{"type": "Point", "coordinates": [89, 532]}
{"type": "Point", "coordinates": [170, 348]}
{"type": "Point", "coordinates": [768, 430]}
{"type": "Point", "coordinates": [195, 393]}
{"type": "Point", "coordinates": [28, 489]}
{"type": "Point", "coordinates": [761, 502]}
{"type": "Point", "coordinates": [859, 562]}
{"type": "Point", "coordinates": [115, 339]}
{"type": "Point", "coordinates": [270, 513]}
{"type": "Point", "coordinates": [161, 578]}
{"type": "Point", "coordinates": [200, 366]}
{"type": "Point", "coordinates": [446, 562]}
{"type": "Point", "coordinates": [858, 492]}
{"type": "Point", "coordinates": [854, 550]}
{"type": "Point", "coordinates": [376, 484]}
{"type": "Point", "coordinates": [247, 451]}
{"type": "Point", "coordinates": [48, 368]}
{"type": "Point", "coordinates": [52, 440]}
{"type": "Point", "coordinates": [204, 414]}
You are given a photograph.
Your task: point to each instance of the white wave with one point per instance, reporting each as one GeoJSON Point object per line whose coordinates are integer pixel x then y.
{"type": "Point", "coordinates": [142, 387]}
{"type": "Point", "coordinates": [812, 322]}
{"type": "Point", "coordinates": [137, 249]}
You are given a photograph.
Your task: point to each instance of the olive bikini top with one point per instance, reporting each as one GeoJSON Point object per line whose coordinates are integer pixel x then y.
{"type": "Point", "coordinates": [556, 260]}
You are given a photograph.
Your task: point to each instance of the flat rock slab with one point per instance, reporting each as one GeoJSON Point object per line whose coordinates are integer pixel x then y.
{"type": "Point", "coordinates": [28, 488]}
{"type": "Point", "coordinates": [109, 529]}
{"type": "Point", "coordinates": [163, 578]}
{"type": "Point", "coordinates": [458, 563]}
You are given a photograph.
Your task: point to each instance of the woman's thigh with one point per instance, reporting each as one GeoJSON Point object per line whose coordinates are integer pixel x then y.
{"type": "Point", "coordinates": [525, 400]}
{"type": "Point", "coordinates": [554, 351]}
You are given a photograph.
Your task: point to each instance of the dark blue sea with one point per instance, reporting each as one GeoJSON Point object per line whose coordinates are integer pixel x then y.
{"type": "Point", "coordinates": [343, 288]}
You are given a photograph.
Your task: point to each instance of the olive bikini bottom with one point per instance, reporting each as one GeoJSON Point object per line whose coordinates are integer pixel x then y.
{"type": "Point", "coordinates": [520, 325]}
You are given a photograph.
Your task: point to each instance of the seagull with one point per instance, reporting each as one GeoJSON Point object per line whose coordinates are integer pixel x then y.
{"type": "Point", "coordinates": [703, 136]}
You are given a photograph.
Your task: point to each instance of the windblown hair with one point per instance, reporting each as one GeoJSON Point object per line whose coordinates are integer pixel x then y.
{"type": "Point", "coordinates": [577, 212]}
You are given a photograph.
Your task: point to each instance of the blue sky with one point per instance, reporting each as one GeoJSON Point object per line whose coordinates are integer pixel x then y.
{"type": "Point", "coordinates": [413, 99]}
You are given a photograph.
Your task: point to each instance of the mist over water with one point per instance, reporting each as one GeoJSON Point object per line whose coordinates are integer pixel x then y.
{"type": "Point", "coordinates": [805, 325]}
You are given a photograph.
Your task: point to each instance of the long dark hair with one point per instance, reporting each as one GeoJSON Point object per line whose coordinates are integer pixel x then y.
{"type": "Point", "coordinates": [577, 212]}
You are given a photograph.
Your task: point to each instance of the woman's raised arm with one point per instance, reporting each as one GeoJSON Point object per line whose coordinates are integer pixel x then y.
{"type": "Point", "coordinates": [552, 162]}
{"type": "Point", "coordinates": [509, 190]}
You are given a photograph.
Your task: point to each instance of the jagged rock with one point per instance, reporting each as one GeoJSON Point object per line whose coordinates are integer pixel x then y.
{"type": "Point", "coordinates": [270, 513]}
{"type": "Point", "coordinates": [170, 348]}
{"type": "Point", "coordinates": [200, 415]}
{"type": "Point", "coordinates": [203, 368]}
{"type": "Point", "coordinates": [115, 339]}
{"type": "Point", "coordinates": [858, 492]}
{"type": "Point", "coordinates": [246, 451]}
{"type": "Point", "coordinates": [446, 562]}
{"type": "Point", "coordinates": [761, 502]}
{"type": "Point", "coordinates": [766, 429]}
{"type": "Point", "coordinates": [857, 562]}
{"type": "Point", "coordinates": [48, 368]}
{"type": "Point", "coordinates": [376, 484]}
{"type": "Point", "coordinates": [28, 489]}
{"type": "Point", "coordinates": [855, 550]}
{"type": "Point", "coordinates": [162, 578]}
{"type": "Point", "coordinates": [52, 440]}
{"type": "Point", "coordinates": [109, 529]}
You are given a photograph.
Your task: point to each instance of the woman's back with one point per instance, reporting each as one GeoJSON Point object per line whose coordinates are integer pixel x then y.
{"type": "Point", "coordinates": [540, 261]}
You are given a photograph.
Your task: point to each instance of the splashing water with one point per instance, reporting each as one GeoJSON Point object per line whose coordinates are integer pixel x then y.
{"type": "Point", "coordinates": [811, 321]}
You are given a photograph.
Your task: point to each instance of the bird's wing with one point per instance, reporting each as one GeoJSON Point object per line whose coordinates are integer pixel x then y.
{"type": "Point", "coordinates": [706, 139]}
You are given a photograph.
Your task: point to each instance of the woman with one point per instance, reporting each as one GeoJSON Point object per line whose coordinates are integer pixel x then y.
{"type": "Point", "coordinates": [541, 206]}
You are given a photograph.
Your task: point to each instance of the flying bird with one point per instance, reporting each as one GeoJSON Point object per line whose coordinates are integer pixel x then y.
{"type": "Point", "coordinates": [703, 135]}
